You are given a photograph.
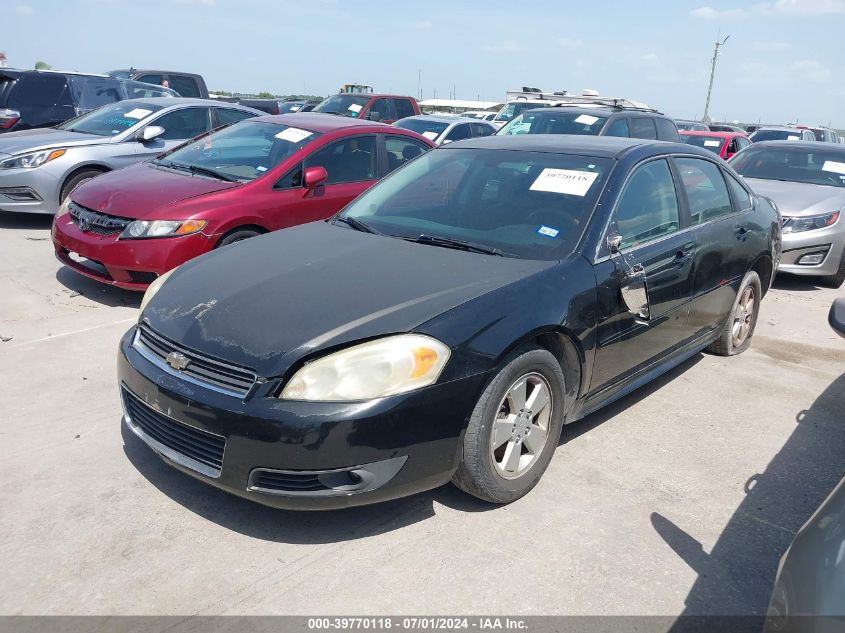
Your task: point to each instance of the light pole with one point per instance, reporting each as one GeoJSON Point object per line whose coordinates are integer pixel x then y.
{"type": "Point", "coordinates": [706, 117]}
{"type": "Point", "coordinates": [419, 83]}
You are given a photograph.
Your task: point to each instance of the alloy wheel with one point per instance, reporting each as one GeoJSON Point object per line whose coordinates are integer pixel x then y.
{"type": "Point", "coordinates": [743, 316]}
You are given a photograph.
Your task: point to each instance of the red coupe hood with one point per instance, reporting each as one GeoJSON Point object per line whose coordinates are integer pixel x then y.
{"type": "Point", "coordinates": [143, 191]}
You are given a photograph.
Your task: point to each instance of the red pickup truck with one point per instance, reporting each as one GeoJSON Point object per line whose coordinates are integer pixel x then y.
{"type": "Point", "coordinates": [373, 107]}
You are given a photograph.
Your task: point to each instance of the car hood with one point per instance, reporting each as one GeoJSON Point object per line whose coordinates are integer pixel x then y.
{"type": "Point", "coordinates": [798, 198]}
{"type": "Point", "coordinates": [43, 138]}
{"type": "Point", "coordinates": [267, 302]}
{"type": "Point", "coordinates": [143, 191]}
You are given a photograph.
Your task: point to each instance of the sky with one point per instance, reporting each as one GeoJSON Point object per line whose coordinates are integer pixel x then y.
{"type": "Point", "coordinates": [782, 63]}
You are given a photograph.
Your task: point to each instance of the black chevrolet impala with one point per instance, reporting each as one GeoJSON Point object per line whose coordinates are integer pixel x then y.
{"type": "Point", "coordinates": [448, 322]}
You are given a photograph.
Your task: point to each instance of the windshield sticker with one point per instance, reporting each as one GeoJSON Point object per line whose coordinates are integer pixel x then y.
{"type": "Point", "coordinates": [791, 138]}
{"type": "Point", "coordinates": [548, 231]}
{"type": "Point", "coordinates": [138, 113]}
{"type": "Point", "coordinates": [430, 135]}
{"type": "Point", "coordinates": [293, 135]}
{"type": "Point", "coordinates": [836, 168]}
{"type": "Point", "coordinates": [586, 119]}
{"type": "Point", "coordinates": [712, 143]}
{"type": "Point", "coordinates": [261, 168]}
{"type": "Point", "coordinates": [567, 181]}
{"type": "Point", "coordinates": [355, 108]}
{"type": "Point", "coordinates": [294, 108]}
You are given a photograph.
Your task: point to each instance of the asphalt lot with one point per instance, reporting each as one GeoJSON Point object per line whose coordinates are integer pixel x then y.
{"type": "Point", "coordinates": [678, 499]}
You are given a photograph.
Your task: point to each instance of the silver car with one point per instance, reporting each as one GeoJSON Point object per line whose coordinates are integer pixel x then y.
{"type": "Point", "coordinates": [806, 180]}
{"type": "Point", "coordinates": [40, 167]}
{"type": "Point", "coordinates": [445, 129]}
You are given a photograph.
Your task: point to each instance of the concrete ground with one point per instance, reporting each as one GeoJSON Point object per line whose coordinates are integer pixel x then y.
{"type": "Point", "coordinates": [678, 499]}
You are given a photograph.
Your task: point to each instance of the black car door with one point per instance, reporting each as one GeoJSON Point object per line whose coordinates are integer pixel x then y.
{"type": "Point", "coordinates": [652, 235]}
{"type": "Point", "coordinates": [722, 227]}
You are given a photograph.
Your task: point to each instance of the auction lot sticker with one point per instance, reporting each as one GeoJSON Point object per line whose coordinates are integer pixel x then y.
{"type": "Point", "coordinates": [836, 168]}
{"type": "Point", "coordinates": [568, 181]}
{"type": "Point", "coordinates": [293, 134]}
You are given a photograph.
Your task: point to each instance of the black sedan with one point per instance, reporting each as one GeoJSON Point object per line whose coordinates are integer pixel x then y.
{"type": "Point", "coordinates": [448, 322]}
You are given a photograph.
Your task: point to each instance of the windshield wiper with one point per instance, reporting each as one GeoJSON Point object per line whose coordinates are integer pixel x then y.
{"type": "Point", "coordinates": [195, 169]}
{"type": "Point", "coordinates": [357, 224]}
{"type": "Point", "coordinates": [448, 242]}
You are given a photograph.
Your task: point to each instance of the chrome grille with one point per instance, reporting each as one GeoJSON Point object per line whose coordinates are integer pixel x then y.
{"type": "Point", "coordinates": [194, 367]}
{"type": "Point", "coordinates": [91, 221]}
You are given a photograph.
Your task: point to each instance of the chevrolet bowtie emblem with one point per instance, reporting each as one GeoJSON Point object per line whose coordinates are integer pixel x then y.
{"type": "Point", "coordinates": [177, 361]}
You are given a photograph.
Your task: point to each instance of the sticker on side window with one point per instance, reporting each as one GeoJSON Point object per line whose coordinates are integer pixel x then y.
{"type": "Point", "coordinates": [293, 134]}
{"type": "Point", "coordinates": [430, 135]}
{"type": "Point", "coordinates": [138, 113]}
{"type": "Point", "coordinates": [836, 168]}
{"type": "Point", "coordinates": [548, 231]}
{"type": "Point", "coordinates": [586, 119]}
{"type": "Point", "coordinates": [712, 143]}
{"type": "Point", "coordinates": [355, 108]}
{"type": "Point", "coordinates": [792, 138]}
{"type": "Point", "coordinates": [567, 181]}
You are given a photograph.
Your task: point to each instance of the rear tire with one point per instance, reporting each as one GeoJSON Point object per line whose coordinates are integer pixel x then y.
{"type": "Point", "coordinates": [237, 236]}
{"type": "Point", "coordinates": [512, 435]}
{"type": "Point", "coordinates": [77, 179]}
{"type": "Point", "coordinates": [739, 326]}
{"type": "Point", "coordinates": [836, 280]}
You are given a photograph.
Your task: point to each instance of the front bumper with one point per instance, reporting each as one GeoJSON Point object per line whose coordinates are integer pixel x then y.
{"type": "Point", "coordinates": [130, 264]}
{"type": "Point", "coordinates": [30, 190]}
{"type": "Point", "coordinates": [298, 455]}
{"type": "Point", "coordinates": [830, 241]}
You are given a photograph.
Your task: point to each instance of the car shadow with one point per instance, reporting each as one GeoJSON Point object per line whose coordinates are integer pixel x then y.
{"type": "Point", "coordinates": [737, 575]}
{"type": "Point", "coordinates": [107, 295]}
{"type": "Point", "coordinates": [799, 283]}
{"type": "Point", "coordinates": [25, 221]}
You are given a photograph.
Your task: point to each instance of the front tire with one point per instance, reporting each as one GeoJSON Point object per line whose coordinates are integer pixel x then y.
{"type": "Point", "coordinates": [514, 429]}
{"type": "Point", "coordinates": [237, 235]}
{"type": "Point", "coordinates": [836, 280]}
{"type": "Point", "coordinates": [739, 326]}
{"type": "Point", "coordinates": [77, 179]}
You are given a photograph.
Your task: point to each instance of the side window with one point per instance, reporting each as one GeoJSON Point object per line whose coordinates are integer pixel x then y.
{"type": "Point", "coordinates": [733, 146]}
{"type": "Point", "coordinates": [291, 180]}
{"type": "Point", "coordinates": [643, 127]}
{"type": "Point", "coordinates": [481, 130]}
{"type": "Point", "coordinates": [152, 79]}
{"type": "Point", "coordinates": [459, 132]}
{"type": "Point", "coordinates": [93, 92]}
{"type": "Point", "coordinates": [184, 124]}
{"type": "Point", "coordinates": [403, 108]}
{"type": "Point", "coordinates": [742, 142]}
{"type": "Point", "coordinates": [185, 86]}
{"type": "Point", "coordinates": [227, 116]}
{"type": "Point", "coordinates": [380, 107]}
{"type": "Point", "coordinates": [348, 160]}
{"type": "Point", "coordinates": [400, 150]}
{"type": "Point", "coordinates": [707, 193]}
{"type": "Point", "coordinates": [740, 195]}
{"type": "Point", "coordinates": [40, 90]}
{"type": "Point", "coordinates": [619, 127]}
{"type": "Point", "coordinates": [648, 207]}
{"type": "Point", "coordinates": [666, 130]}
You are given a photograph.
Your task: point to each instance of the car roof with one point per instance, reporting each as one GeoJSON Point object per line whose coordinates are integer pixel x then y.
{"type": "Point", "coordinates": [780, 128]}
{"type": "Point", "coordinates": [604, 110]}
{"type": "Point", "coordinates": [320, 122]}
{"type": "Point", "coordinates": [29, 71]}
{"type": "Point", "coordinates": [814, 146]}
{"type": "Point", "coordinates": [371, 95]}
{"type": "Point", "coordinates": [170, 101]}
{"type": "Point", "coordinates": [153, 70]}
{"type": "Point", "coordinates": [599, 146]}
{"type": "Point", "coordinates": [443, 118]}
{"type": "Point", "coordinates": [703, 133]}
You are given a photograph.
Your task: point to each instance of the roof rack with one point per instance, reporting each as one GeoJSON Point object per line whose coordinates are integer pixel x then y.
{"type": "Point", "coordinates": [617, 103]}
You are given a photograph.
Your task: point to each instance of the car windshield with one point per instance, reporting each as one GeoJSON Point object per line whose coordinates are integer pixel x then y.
{"type": "Point", "coordinates": [793, 164]}
{"type": "Point", "coordinates": [290, 106]}
{"type": "Point", "coordinates": [242, 152]}
{"type": "Point", "coordinates": [713, 143]}
{"type": "Point", "coordinates": [428, 128]}
{"type": "Point", "coordinates": [120, 74]}
{"type": "Point", "coordinates": [555, 121]}
{"type": "Point", "coordinates": [140, 90]}
{"type": "Point", "coordinates": [344, 105]}
{"type": "Point", "coordinates": [531, 205]}
{"type": "Point", "coordinates": [111, 119]}
{"type": "Point", "coordinates": [515, 108]}
{"type": "Point", "coordinates": [776, 135]}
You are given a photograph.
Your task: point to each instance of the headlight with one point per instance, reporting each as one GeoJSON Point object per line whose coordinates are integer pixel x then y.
{"type": "Point", "coordinates": [383, 367]}
{"type": "Point", "coordinates": [154, 287]}
{"type": "Point", "coordinates": [64, 207]}
{"type": "Point", "coordinates": [809, 222]}
{"type": "Point", "coordinates": [34, 159]}
{"type": "Point", "coordinates": [143, 229]}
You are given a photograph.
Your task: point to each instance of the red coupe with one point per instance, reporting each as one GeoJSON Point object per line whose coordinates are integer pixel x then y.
{"type": "Point", "coordinates": [725, 144]}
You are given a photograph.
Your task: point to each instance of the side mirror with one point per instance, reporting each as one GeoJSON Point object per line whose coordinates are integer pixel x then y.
{"type": "Point", "coordinates": [374, 116]}
{"type": "Point", "coordinates": [632, 285]}
{"type": "Point", "coordinates": [314, 177]}
{"type": "Point", "coordinates": [614, 243]}
{"type": "Point", "coordinates": [837, 317]}
{"type": "Point", "coordinates": [149, 133]}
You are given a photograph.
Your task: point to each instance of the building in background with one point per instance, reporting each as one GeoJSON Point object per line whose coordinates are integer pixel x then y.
{"type": "Point", "coordinates": [3, 59]}
{"type": "Point", "coordinates": [456, 106]}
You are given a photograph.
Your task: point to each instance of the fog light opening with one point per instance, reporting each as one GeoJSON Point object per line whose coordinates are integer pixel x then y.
{"type": "Point", "coordinates": [812, 259]}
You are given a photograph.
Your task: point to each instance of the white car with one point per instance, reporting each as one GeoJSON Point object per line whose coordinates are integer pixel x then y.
{"type": "Point", "coordinates": [444, 129]}
{"type": "Point", "coordinates": [482, 115]}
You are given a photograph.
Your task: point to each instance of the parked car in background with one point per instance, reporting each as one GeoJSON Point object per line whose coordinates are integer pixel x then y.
{"type": "Point", "coordinates": [39, 168]}
{"type": "Point", "coordinates": [290, 106]}
{"type": "Point", "coordinates": [594, 120]}
{"type": "Point", "coordinates": [128, 227]}
{"type": "Point", "coordinates": [186, 84]}
{"type": "Point", "coordinates": [483, 115]}
{"type": "Point", "coordinates": [372, 107]}
{"type": "Point", "coordinates": [807, 182]}
{"type": "Point", "coordinates": [279, 106]}
{"type": "Point", "coordinates": [725, 144]}
{"type": "Point", "coordinates": [446, 129]}
{"type": "Point", "coordinates": [725, 127]}
{"type": "Point", "coordinates": [825, 135]}
{"type": "Point", "coordinates": [691, 126]}
{"type": "Point", "coordinates": [784, 133]}
{"type": "Point", "coordinates": [512, 109]}
{"type": "Point", "coordinates": [448, 322]}
{"type": "Point", "coordinates": [44, 98]}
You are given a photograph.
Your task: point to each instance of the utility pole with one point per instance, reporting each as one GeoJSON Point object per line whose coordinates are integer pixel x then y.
{"type": "Point", "coordinates": [419, 83]}
{"type": "Point", "coordinates": [706, 117]}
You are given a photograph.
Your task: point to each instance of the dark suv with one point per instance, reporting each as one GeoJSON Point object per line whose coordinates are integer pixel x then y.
{"type": "Point", "coordinates": [35, 98]}
{"type": "Point", "coordinates": [599, 119]}
{"type": "Point", "coordinates": [279, 106]}
{"type": "Point", "coordinates": [186, 84]}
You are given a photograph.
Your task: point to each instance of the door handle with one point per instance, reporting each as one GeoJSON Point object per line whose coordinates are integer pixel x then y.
{"type": "Point", "coordinates": [742, 233]}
